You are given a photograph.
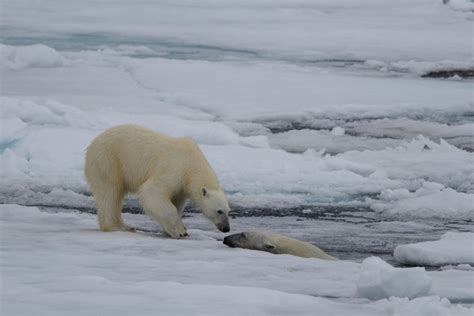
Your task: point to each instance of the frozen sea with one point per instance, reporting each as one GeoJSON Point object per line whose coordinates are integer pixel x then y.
{"type": "Point", "coordinates": [347, 124]}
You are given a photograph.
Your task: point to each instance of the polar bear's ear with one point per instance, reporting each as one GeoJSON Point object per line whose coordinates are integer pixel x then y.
{"type": "Point", "coordinates": [268, 245]}
{"type": "Point", "coordinates": [204, 191]}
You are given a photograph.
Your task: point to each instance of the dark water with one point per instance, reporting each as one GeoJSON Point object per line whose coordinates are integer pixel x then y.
{"type": "Point", "coordinates": [347, 233]}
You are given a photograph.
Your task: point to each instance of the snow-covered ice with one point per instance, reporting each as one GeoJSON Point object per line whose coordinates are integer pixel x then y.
{"type": "Point", "coordinates": [452, 248]}
{"type": "Point", "coordinates": [60, 264]}
{"type": "Point", "coordinates": [407, 30]}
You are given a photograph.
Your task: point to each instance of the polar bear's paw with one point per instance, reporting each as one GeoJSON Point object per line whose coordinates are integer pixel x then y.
{"type": "Point", "coordinates": [176, 232]}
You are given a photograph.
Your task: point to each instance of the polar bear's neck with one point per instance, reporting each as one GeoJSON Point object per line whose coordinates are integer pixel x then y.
{"type": "Point", "coordinates": [199, 174]}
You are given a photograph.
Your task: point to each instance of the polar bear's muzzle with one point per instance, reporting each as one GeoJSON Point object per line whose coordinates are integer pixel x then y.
{"type": "Point", "coordinates": [224, 226]}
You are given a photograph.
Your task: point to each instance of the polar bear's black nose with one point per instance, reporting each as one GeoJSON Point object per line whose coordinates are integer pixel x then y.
{"type": "Point", "coordinates": [223, 226]}
{"type": "Point", "coordinates": [226, 228]}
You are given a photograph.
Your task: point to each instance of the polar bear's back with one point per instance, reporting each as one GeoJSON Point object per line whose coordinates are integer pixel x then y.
{"type": "Point", "coordinates": [130, 154]}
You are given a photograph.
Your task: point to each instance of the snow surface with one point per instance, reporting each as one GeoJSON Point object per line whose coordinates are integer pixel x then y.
{"type": "Point", "coordinates": [60, 264]}
{"type": "Point", "coordinates": [452, 248]}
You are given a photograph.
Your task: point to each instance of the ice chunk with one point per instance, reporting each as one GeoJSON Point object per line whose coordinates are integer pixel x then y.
{"type": "Point", "coordinates": [456, 285]}
{"type": "Point", "coordinates": [20, 57]}
{"type": "Point", "coordinates": [338, 131]}
{"type": "Point", "coordinates": [333, 142]}
{"type": "Point", "coordinates": [424, 306]}
{"type": "Point", "coordinates": [408, 128]}
{"type": "Point", "coordinates": [452, 248]}
{"type": "Point", "coordinates": [255, 141]}
{"type": "Point", "coordinates": [429, 201]}
{"type": "Point", "coordinates": [11, 129]}
{"type": "Point", "coordinates": [25, 111]}
{"type": "Point", "coordinates": [378, 279]}
{"type": "Point", "coordinates": [462, 267]}
{"type": "Point", "coordinates": [461, 5]}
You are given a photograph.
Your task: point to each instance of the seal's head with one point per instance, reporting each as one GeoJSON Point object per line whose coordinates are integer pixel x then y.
{"type": "Point", "coordinates": [250, 240]}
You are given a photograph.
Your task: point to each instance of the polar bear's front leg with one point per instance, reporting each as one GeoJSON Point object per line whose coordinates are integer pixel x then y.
{"type": "Point", "coordinates": [180, 202]}
{"type": "Point", "coordinates": [160, 208]}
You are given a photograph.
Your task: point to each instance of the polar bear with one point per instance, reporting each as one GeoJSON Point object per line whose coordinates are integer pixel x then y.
{"type": "Point", "coordinates": [163, 171]}
{"type": "Point", "coordinates": [277, 244]}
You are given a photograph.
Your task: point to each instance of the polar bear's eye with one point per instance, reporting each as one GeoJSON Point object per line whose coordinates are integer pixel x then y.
{"type": "Point", "coordinates": [220, 212]}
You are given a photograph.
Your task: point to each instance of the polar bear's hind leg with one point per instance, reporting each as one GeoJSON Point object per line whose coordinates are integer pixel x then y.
{"type": "Point", "coordinates": [109, 208]}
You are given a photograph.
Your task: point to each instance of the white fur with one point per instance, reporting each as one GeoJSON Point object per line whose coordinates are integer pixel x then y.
{"type": "Point", "coordinates": [277, 244]}
{"type": "Point", "coordinates": [163, 171]}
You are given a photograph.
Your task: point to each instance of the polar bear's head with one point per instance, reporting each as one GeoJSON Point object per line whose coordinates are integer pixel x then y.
{"type": "Point", "coordinates": [213, 204]}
